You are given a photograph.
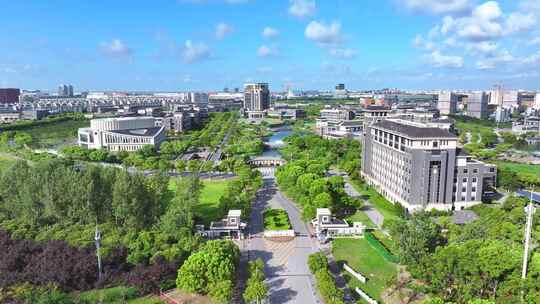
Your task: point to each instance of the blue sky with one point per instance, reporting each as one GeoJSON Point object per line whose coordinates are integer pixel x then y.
{"type": "Point", "coordinates": [174, 45]}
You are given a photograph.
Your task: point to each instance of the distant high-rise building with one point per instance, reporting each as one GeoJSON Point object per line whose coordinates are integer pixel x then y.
{"type": "Point", "coordinates": [226, 90]}
{"type": "Point", "coordinates": [477, 105]}
{"type": "Point", "coordinates": [65, 90]}
{"type": "Point", "coordinates": [340, 87]}
{"type": "Point", "coordinates": [198, 97]}
{"type": "Point", "coordinates": [236, 90]}
{"type": "Point", "coordinates": [447, 103]}
{"type": "Point", "coordinates": [256, 96]}
{"type": "Point", "coordinates": [537, 101]}
{"type": "Point", "coordinates": [9, 95]}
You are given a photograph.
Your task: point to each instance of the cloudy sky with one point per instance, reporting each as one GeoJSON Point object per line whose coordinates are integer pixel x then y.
{"type": "Point", "coordinates": [172, 45]}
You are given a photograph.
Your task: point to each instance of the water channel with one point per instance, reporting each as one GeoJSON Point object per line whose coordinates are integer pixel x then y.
{"type": "Point", "coordinates": [274, 142]}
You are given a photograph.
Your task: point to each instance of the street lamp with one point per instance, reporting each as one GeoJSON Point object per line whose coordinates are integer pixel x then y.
{"type": "Point", "coordinates": [97, 238]}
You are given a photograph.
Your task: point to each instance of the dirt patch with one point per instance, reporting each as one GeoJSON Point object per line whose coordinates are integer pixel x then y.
{"type": "Point", "coordinates": [179, 297]}
{"type": "Point", "coordinates": [400, 292]}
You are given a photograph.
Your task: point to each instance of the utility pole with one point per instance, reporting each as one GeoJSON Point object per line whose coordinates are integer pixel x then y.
{"type": "Point", "coordinates": [530, 210]}
{"type": "Point", "coordinates": [97, 238]}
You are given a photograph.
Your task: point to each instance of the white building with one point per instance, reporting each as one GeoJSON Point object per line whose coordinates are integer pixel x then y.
{"type": "Point", "coordinates": [447, 103]}
{"type": "Point", "coordinates": [328, 226]}
{"type": "Point", "coordinates": [121, 134]}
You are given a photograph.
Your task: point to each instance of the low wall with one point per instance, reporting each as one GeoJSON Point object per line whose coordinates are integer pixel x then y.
{"type": "Point", "coordinates": [278, 233]}
{"type": "Point", "coordinates": [365, 296]}
{"type": "Point", "coordinates": [357, 275]}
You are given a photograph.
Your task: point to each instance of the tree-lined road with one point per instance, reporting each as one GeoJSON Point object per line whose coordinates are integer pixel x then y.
{"type": "Point", "coordinates": [288, 275]}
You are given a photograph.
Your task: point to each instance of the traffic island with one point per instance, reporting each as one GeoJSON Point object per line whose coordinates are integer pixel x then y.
{"type": "Point", "coordinates": [277, 226]}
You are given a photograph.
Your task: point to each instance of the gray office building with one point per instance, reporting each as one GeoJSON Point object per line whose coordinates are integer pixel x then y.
{"type": "Point", "coordinates": [477, 105]}
{"type": "Point", "coordinates": [447, 103]}
{"type": "Point", "coordinates": [256, 97]}
{"type": "Point", "coordinates": [421, 167]}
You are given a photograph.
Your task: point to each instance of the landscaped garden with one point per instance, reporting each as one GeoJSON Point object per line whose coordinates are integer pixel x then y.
{"type": "Point", "coordinates": [363, 258]}
{"type": "Point", "coordinates": [276, 219]}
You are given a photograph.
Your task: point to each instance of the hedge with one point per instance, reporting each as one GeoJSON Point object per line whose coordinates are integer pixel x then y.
{"type": "Point", "coordinates": [380, 248]}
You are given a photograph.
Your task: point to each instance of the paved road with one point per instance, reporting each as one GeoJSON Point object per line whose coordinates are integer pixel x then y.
{"type": "Point", "coordinates": [374, 215]}
{"type": "Point", "coordinates": [286, 269]}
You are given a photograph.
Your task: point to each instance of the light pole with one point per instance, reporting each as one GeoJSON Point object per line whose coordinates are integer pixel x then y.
{"type": "Point", "coordinates": [97, 238]}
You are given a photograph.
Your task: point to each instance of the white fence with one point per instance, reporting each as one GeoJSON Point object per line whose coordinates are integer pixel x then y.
{"type": "Point", "coordinates": [357, 275]}
{"type": "Point", "coordinates": [365, 296]}
{"type": "Point", "coordinates": [278, 233]}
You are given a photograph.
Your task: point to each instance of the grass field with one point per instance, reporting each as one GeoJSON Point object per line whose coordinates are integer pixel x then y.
{"type": "Point", "coordinates": [56, 134]}
{"type": "Point", "coordinates": [360, 216]}
{"type": "Point", "coordinates": [6, 161]}
{"type": "Point", "coordinates": [115, 295]}
{"type": "Point", "coordinates": [361, 257]}
{"type": "Point", "coordinates": [386, 208]}
{"type": "Point", "coordinates": [276, 219]}
{"type": "Point", "coordinates": [208, 208]}
{"type": "Point", "coordinates": [519, 168]}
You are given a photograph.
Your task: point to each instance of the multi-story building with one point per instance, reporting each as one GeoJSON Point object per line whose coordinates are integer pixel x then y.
{"type": "Point", "coordinates": [421, 167]}
{"type": "Point", "coordinates": [477, 105]}
{"type": "Point", "coordinates": [198, 97]}
{"type": "Point", "coordinates": [9, 95]}
{"type": "Point", "coordinates": [65, 90]}
{"type": "Point", "coordinates": [121, 134]}
{"type": "Point", "coordinates": [537, 101]}
{"type": "Point", "coordinates": [177, 122]}
{"type": "Point", "coordinates": [256, 99]}
{"type": "Point", "coordinates": [336, 114]}
{"type": "Point", "coordinates": [447, 103]}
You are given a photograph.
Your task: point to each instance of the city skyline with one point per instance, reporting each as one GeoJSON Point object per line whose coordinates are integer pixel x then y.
{"type": "Point", "coordinates": [211, 44]}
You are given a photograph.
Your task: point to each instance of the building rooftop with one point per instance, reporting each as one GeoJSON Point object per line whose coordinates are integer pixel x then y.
{"type": "Point", "coordinates": [139, 132]}
{"type": "Point", "coordinates": [235, 212]}
{"type": "Point", "coordinates": [413, 131]}
{"type": "Point", "coordinates": [376, 108]}
{"type": "Point", "coordinates": [462, 217]}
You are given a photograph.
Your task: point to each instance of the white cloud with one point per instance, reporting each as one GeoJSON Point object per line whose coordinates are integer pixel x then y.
{"type": "Point", "coordinates": [269, 32]}
{"type": "Point", "coordinates": [343, 53]}
{"type": "Point", "coordinates": [444, 61]}
{"type": "Point", "coordinates": [437, 6]}
{"type": "Point", "coordinates": [302, 8]}
{"type": "Point", "coordinates": [193, 52]}
{"type": "Point", "coordinates": [483, 47]}
{"type": "Point", "coordinates": [492, 62]}
{"type": "Point", "coordinates": [518, 22]}
{"type": "Point", "coordinates": [267, 51]}
{"type": "Point", "coordinates": [420, 42]}
{"type": "Point", "coordinates": [534, 41]}
{"type": "Point", "coordinates": [483, 23]}
{"type": "Point", "coordinates": [223, 29]}
{"type": "Point", "coordinates": [116, 48]}
{"type": "Point", "coordinates": [325, 34]}
{"type": "Point", "coordinates": [533, 59]}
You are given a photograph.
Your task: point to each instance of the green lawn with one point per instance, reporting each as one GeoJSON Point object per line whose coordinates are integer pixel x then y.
{"type": "Point", "coordinates": [385, 207]}
{"type": "Point", "coordinates": [208, 208]}
{"type": "Point", "coordinates": [6, 161]}
{"type": "Point", "coordinates": [115, 295]}
{"type": "Point", "coordinates": [360, 216]}
{"type": "Point", "coordinates": [56, 134]}
{"type": "Point", "coordinates": [519, 168]}
{"type": "Point", "coordinates": [361, 257]}
{"type": "Point", "coordinates": [276, 219]}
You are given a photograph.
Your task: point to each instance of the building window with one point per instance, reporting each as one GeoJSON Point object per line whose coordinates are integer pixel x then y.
{"type": "Point", "coordinates": [464, 179]}
{"type": "Point", "coordinates": [465, 171]}
{"type": "Point", "coordinates": [474, 180]}
{"type": "Point", "coordinates": [475, 171]}
{"type": "Point", "coordinates": [435, 144]}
